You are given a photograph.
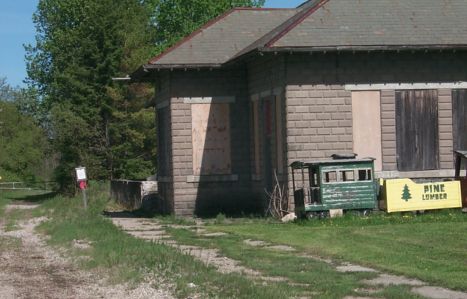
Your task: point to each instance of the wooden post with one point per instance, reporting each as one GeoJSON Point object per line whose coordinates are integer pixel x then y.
{"type": "Point", "coordinates": [82, 181]}
{"type": "Point", "coordinates": [458, 166]}
{"type": "Point", "coordinates": [85, 199]}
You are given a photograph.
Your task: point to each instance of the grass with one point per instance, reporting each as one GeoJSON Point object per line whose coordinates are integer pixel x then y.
{"type": "Point", "coordinates": [308, 275]}
{"type": "Point", "coordinates": [430, 247]}
{"type": "Point", "coordinates": [14, 216]}
{"type": "Point", "coordinates": [127, 259]}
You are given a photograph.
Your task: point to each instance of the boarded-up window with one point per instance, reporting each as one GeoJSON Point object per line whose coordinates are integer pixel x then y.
{"type": "Point", "coordinates": [256, 137]}
{"type": "Point", "coordinates": [279, 139]}
{"type": "Point", "coordinates": [417, 130]}
{"type": "Point", "coordinates": [211, 139]}
{"type": "Point", "coordinates": [366, 116]}
{"type": "Point", "coordinates": [268, 138]}
{"type": "Point", "coordinates": [459, 118]}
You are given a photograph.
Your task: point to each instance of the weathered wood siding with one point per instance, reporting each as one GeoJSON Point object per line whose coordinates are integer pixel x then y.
{"type": "Point", "coordinates": [417, 130]}
{"type": "Point", "coordinates": [459, 109]}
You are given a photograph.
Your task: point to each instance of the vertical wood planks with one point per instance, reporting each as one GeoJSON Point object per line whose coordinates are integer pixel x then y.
{"type": "Point", "coordinates": [459, 118]}
{"type": "Point", "coordinates": [417, 130]}
{"type": "Point", "coordinates": [279, 139]}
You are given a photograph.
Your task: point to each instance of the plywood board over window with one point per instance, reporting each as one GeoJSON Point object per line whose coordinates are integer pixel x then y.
{"type": "Point", "coordinates": [417, 130]}
{"type": "Point", "coordinates": [366, 116]}
{"type": "Point", "coordinates": [256, 137]}
{"type": "Point", "coordinates": [279, 139]}
{"type": "Point", "coordinates": [459, 118]}
{"type": "Point", "coordinates": [211, 139]}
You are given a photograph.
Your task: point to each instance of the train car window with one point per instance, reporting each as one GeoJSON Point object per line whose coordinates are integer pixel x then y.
{"type": "Point", "coordinates": [330, 177]}
{"type": "Point", "coordinates": [364, 175]}
{"type": "Point", "coordinates": [314, 178]}
{"type": "Point", "coordinates": [348, 175]}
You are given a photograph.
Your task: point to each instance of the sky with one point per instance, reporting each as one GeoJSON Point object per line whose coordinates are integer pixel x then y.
{"type": "Point", "coordinates": [17, 29]}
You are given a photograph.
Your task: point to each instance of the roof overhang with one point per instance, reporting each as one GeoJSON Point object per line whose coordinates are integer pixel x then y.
{"type": "Point", "coordinates": [147, 71]}
{"type": "Point", "coordinates": [364, 48]}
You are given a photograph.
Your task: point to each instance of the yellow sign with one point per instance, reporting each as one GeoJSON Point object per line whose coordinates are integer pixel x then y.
{"type": "Point", "coordinates": [402, 195]}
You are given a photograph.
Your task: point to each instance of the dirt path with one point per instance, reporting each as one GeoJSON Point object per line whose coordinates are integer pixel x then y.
{"type": "Point", "coordinates": [30, 269]}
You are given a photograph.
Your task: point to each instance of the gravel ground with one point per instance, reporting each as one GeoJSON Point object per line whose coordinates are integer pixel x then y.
{"type": "Point", "coordinates": [34, 270]}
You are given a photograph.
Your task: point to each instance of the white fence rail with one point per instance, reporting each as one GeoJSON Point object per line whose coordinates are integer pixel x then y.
{"type": "Point", "coordinates": [11, 186]}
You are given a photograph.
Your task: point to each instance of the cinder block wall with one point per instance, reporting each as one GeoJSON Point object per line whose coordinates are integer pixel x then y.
{"type": "Point", "coordinates": [388, 129]}
{"type": "Point", "coordinates": [205, 196]}
{"type": "Point", "coordinates": [164, 142]}
{"type": "Point", "coordinates": [317, 114]}
{"type": "Point", "coordinates": [319, 108]}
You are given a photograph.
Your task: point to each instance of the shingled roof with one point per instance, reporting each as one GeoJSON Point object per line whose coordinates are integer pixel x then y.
{"type": "Point", "coordinates": [352, 23]}
{"type": "Point", "coordinates": [319, 25]}
{"type": "Point", "coordinates": [222, 38]}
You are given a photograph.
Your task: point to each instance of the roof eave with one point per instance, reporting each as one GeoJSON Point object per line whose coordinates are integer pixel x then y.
{"type": "Point", "coordinates": [147, 71]}
{"type": "Point", "coordinates": [182, 66]}
{"type": "Point", "coordinates": [362, 48]}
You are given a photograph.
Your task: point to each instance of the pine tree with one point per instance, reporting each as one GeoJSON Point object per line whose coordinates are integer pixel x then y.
{"type": "Point", "coordinates": [406, 193]}
{"type": "Point", "coordinates": [80, 46]}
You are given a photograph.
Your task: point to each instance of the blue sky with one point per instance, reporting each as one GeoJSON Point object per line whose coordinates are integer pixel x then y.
{"type": "Point", "coordinates": [16, 29]}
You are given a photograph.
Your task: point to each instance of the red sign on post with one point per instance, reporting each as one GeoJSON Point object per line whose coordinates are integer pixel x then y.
{"type": "Point", "coordinates": [82, 185]}
{"type": "Point", "coordinates": [81, 179]}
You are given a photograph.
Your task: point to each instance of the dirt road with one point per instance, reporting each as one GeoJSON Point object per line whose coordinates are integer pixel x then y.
{"type": "Point", "coordinates": [31, 269]}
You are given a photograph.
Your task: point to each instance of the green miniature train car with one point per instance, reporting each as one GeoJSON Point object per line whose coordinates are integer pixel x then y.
{"type": "Point", "coordinates": [338, 184]}
{"type": "Point", "coordinates": [461, 160]}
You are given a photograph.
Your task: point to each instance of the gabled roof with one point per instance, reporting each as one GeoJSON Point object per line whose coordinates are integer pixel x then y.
{"type": "Point", "coordinates": [222, 38]}
{"type": "Point", "coordinates": [350, 23]}
{"type": "Point", "coordinates": [319, 25]}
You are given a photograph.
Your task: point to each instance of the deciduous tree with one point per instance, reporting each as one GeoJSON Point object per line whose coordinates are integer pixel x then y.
{"type": "Point", "coordinates": [80, 45]}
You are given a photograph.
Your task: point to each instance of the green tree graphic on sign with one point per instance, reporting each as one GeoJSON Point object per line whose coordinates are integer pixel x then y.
{"type": "Point", "coordinates": [406, 193]}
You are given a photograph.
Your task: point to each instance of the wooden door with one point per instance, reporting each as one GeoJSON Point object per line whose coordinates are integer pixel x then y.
{"type": "Point", "coordinates": [366, 117]}
{"type": "Point", "coordinates": [459, 118]}
{"type": "Point", "coordinates": [417, 130]}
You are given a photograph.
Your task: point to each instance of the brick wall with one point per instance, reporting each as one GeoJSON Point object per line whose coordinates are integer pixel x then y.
{"type": "Point", "coordinates": [317, 114]}
{"type": "Point", "coordinates": [318, 106]}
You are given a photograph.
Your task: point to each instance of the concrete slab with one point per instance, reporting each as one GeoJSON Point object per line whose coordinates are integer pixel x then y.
{"type": "Point", "coordinates": [336, 213]}
{"type": "Point", "coordinates": [439, 293]}
{"type": "Point", "coordinates": [349, 268]}
{"type": "Point", "coordinates": [282, 248]}
{"type": "Point", "coordinates": [215, 235]}
{"type": "Point", "coordinates": [18, 206]}
{"type": "Point", "coordinates": [387, 280]}
{"type": "Point", "coordinates": [255, 243]}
